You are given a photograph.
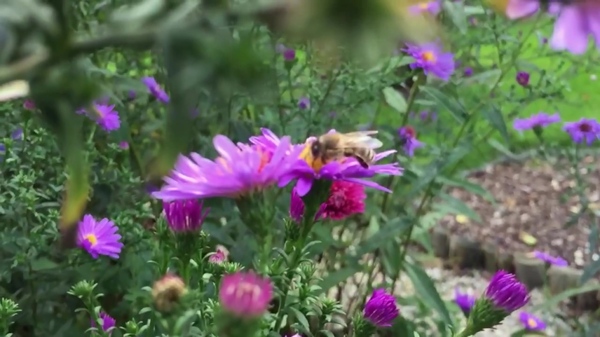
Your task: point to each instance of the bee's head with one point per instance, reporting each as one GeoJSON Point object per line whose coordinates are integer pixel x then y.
{"type": "Point", "coordinates": [315, 148]}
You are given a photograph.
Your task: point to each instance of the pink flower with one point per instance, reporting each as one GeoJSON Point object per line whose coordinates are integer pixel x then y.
{"type": "Point", "coordinates": [245, 294]}
{"type": "Point", "coordinates": [346, 198]}
{"type": "Point", "coordinates": [108, 323]}
{"type": "Point", "coordinates": [29, 104]}
{"type": "Point", "coordinates": [296, 206]}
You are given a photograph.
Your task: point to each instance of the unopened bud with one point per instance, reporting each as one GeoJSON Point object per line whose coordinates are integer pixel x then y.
{"type": "Point", "coordinates": [167, 292]}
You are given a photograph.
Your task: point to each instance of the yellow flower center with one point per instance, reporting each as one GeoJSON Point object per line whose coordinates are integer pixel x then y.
{"type": "Point", "coordinates": [424, 5]}
{"type": "Point", "coordinates": [428, 56]}
{"type": "Point", "coordinates": [532, 323]}
{"type": "Point", "coordinates": [92, 239]}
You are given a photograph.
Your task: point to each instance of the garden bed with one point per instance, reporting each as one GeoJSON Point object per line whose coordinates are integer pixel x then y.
{"type": "Point", "coordinates": [533, 202]}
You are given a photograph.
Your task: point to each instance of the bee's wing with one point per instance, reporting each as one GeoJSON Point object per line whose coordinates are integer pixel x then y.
{"type": "Point", "coordinates": [362, 139]}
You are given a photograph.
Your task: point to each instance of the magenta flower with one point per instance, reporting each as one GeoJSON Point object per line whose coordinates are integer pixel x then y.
{"type": "Point", "coordinates": [586, 129]}
{"type": "Point", "coordinates": [575, 23]}
{"type": "Point", "coordinates": [408, 139]}
{"type": "Point", "coordinates": [553, 260]}
{"type": "Point", "coordinates": [465, 301]}
{"type": "Point", "coordinates": [245, 294]}
{"type": "Point", "coordinates": [506, 292]}
{"type": "Point", "coordinates": [538, 120]}
{"type": "Point", "coordinates": [99, 237]}
{"type": "Point", "coordinates": [185, 216]}
{"type": "Point", "coordinates": [107, 323]}
{"type": "Point", "coordinates": [106, 117]}
{"type": "Point", "coordinates": [433, 7]}
{"type": "Point", "coordinates": [296, 206]}
{"type": "Point", "coordinates": [345, 199]}
{"type": "Point", "coordinates": [468, 72]}
{"type": "Point", "coordinates": [124, 145]}
{"type": "Point", "coordinates": [432, 59]}
{"type": "Point", "coordinates": [531, 322]}
{"type": "Point", "coordinates": [239, 170]}
{"type": "Point", "coordinates": [381, 309]}
{"type": "Point", "coordinates": [155, 89]}
{"type": "Point", "coordinates": [523, 78]}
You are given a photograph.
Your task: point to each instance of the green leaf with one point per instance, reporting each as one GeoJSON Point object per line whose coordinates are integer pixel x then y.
{"type": "Point", "coordinates": [391, 230]}
{"type": "Point", "coordinates": [452, 105]}
{"type": "Point", "coordinates": [496, 120]}
{"type": "Point", "coordinates": [456, 12]}
{"type": "Point", "coordinates": [501, 148]}
{"type": "Point", "coordinates": [457, 206]}
{"type": "Point", "coordinates": [565, 295]}
{"type": "Point", "coordinates": [394, 99]}
{"type": "Point", "coordinates": [489, 77]}
{"type": "Point", "coordinates": [590, 271]}
{"type": "Point", "coordinates": [301, 320]}
{"type": "Point", "coordinates": [42, 264]}
{"type": "Point", "coordinates": [468, 186]}
{"type": "Point", "coordinates": [338, 276]}
{"type": "Point", "coordinates": [426, 291]}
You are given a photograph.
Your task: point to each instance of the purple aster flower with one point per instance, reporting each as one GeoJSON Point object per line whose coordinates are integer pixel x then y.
{"type": "Point", "coordinates": [586, 129]}
{"type": "Point", "coordinates": [523, 78]}
{"type": "Point", "coordinates": [553, 260]}
{"type": "Point", "coordinates": [304, 103]}
{"type": "Point", "coordinates": [575, 23]}
{"type": "Point", "coordinates": [99, 237]}
{"type": "Point", "coordinates": [506, 292]}
{"type": "Point", "coordinates": [433, 7]}
{"type": "Point", "coordinates": [266, 142]}
{"type": "Point", "coordinates": [219, 256]}
{"type": "Point", "coordinates": [185, 215]}
{"type": "Point", "coordinates": [531, 322]}
{"type": "Point", "coordinates": [516, 9]}
{"type": "Point", "coordinates": [239, 170]}
{"type": "Point", "coordinates": [107, 323]}
{"type": "Point", "coordinates": [381, 309]}
{"type": "Point", "coordinates": [468, 72]}
{"type": "Point", "coordinates": [465, 301]}
{"type": "Point", "coordinates": [124, 145]}
{"type": "Point", "coordinates": [432, 59]}
{"type": "Point", "coordinates": [106, 117]}
{"type": "Point", "coordinates": [155, 89]}
{"type": "Point", "coordinates": [539, 120]}
{"type": "Point", "coordinates": [408, 139]}
{"type": "Point", "coordinates": [346, 170]}
{"type": "Point", "coordinates": [289, 54]}
{"type": "Point", "coordinates": [17, 134]}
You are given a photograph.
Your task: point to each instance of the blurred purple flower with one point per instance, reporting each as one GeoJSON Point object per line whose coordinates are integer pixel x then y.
{"type": "Point", "coordinates": [381, 309]}
{"type": "Point", "coordinates": [245, 294]}
{"type": "Point", "coordinates": [586, 129]}
{"type": "Point", "coordinates": [124, 145]}
{"type": "Point", "coordinates": [531, 322]}
{"type": "Point", "coordinates": [553, 260]}
{"type": "Point", "coordinates": [433, 7]}
{"type": "Point", "coordinates": [99, 237]}
{"type": "Point", "coordinates": [185, 216]}
{"type": "Point", "coordinates": [239, 170]}
{"type": "Point", "coordinates": [432, 59]}
{"type": "Point", "coordinates": [106, 117]}
{"type": "Point", "coordinates": [506, 292]}
{"type": "Point", "coordinates": [304, 103]}
{"type": "Point", "coordinates": [29, 104]}
{"type": "Point", "coordinates": [517, 9]}
{"type": "Point", "coordinates": [408, 139]}
{"type": "Point", "coordinates": [468, 71]}
{"type": "Point", "coordinates": [17, 134]}
{"type": "Point", "coordinates": [576, 22]}
{"type": "Point", "coordinates": [523, 78]}
{"type": "Point", "coordinates": [538, 120]}
{"type": "Point", "coordinates": [465, 301]}
{"type": "Point", "coordinates": [219, 256]}
{"type": "Point", "coordinates": [155, 89]}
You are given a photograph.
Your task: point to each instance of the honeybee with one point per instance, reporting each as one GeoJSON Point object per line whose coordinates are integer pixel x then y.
{"type": "Point", "coordinates": [335, 146]}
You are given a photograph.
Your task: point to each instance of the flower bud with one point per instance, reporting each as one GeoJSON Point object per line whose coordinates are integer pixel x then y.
{"type": "Point", "coordinates": [381, 310]}
{"type": "Point", "coordinates": [184, 215]}
{"type": "Point", "coordinates": [245, 294]}
{"type": "Point", "coordinates": [167, 292]}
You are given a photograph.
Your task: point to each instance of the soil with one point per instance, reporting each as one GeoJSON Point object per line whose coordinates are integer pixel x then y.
{"type": "Point", "coordinates": [534, 198]}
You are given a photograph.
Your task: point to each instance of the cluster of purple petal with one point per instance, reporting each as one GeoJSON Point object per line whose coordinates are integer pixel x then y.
{"type": "Point", "coordinates": [381, 309]}
{"type": "Point", "coordinates": [586, 130]}
{"type": "Point", "coordinates": [241, 169]}
{"type": "Point", "coordinates": [432, 58]}
{"type": "Point", "coordinates": [506, 292]}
